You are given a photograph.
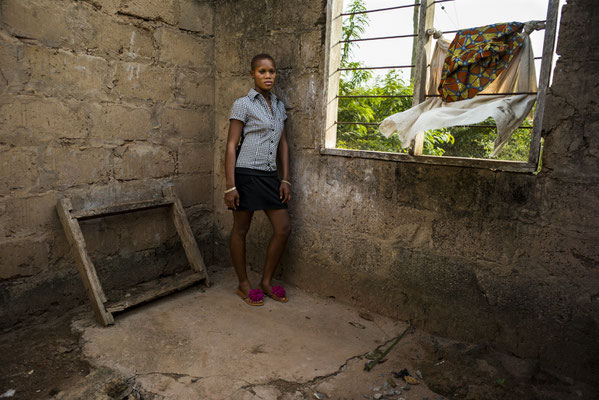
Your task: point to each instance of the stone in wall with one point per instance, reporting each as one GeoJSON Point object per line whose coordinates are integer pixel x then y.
{"type": "Point", "coordinates": [59, 73]}
{"type": "Point", "coordinates": [196, 16]}
{"type": "Point", "coordinates": [106, 37]}
{"type": "Point", "coordinates": [194, 89]}
{"type": "Point", "coordinates": [183, 49]}
{"type": "Point", "coordinates": [13, 75]}
{"type": "Point", "coordinates": [33, 121]}
{"type": "Point", "coordinates": [117, 124]}
{"type": "Point", "coordinates": [137, 161]}
{"type": "Point", "coordinates": [135, 81]}
{"type": "Point", "coordinates": [28, 215]}
{"type": "Point", "coordinates": [45, 21]}
{"type": "Point", "coordinates": [22, 257]}
{"type": "Point", "coordinates": [187, 123]}
{"type": "Point", "coordinates": [18, 169]}
{"type": "Point", "coordinates": [160, 10]}
{"type": "Point", "coordinates": [194, 158]}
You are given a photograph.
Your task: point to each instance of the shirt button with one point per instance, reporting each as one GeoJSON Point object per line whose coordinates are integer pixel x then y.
{"type": "Point", "coordinates": [272, 141]}
{"type": "Point", "coordinates": [271, 153]}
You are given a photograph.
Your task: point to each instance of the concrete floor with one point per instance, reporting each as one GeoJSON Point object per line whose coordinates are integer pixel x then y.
{"type": "Point", "coordinates": [211, 345]}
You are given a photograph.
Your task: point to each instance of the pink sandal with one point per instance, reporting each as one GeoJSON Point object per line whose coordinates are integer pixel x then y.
{"type": "Point", "coordinates": [254, 298]}
{"type": "Point", "coordinates": [277, 293]}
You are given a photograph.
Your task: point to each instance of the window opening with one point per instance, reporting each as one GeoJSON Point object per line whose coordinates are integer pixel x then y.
{"type": "Point", "coordinates": [359, 91]}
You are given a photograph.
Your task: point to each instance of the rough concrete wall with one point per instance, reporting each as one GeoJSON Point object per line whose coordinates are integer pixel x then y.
{"type": "Point", "coordinates": [474, 254]}
{"type": "Point", "coordinates": [102, 101]}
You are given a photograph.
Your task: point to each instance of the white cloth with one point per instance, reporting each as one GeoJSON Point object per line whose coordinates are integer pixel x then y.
{"type": "Point", "coordinates": [508, 111]}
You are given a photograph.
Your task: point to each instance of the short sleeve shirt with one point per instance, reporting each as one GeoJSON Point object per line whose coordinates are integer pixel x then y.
{"type": "Point", "coordinates": [262, 129]}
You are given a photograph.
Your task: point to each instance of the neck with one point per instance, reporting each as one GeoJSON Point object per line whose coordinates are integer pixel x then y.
{"type": "Point", "coordinates": [265, 93]}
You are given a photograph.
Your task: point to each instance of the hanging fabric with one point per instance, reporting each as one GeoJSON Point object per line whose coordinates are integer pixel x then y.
{"type": "Point", "coordinates": [508, 111]}
{"type": "Point", "coordinates": [476, 57]}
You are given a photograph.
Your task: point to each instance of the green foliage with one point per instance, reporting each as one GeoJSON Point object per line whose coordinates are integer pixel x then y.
{"type": "Point", "coordinates": [478, 142]}
{"type": "Point", "coordinates": [353, 28]}
{"type": "Point", "coordinates": [373, 110]}
{"type": "Point", "coordinates": [455, 141]}
{"type": "Point", "coordinates": [370, 110]}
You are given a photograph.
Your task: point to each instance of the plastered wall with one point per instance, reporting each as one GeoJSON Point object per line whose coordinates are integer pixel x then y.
{"type": "Point", "coordinates": [102, 102]}
{"type": "Point", "coordinates": [474, 254]}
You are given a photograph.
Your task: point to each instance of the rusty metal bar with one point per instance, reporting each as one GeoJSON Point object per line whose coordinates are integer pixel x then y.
{"type": "Point", "coordinates": [378, 38]}
{"type": "Point", "coordinates": [453, 126]}
{"type": "Point", "coordinates": [373, 96]}
{"type": "Point", "coordinates": [381, 9]}
{"type": "Point", "coordinates": [386, 67]}
{"type": "Point", "coordinates": [444, 32]}
{"type": "Point", "coordinates": [391, 8]}
{"type": "Point", "coordinates": [489, 94]}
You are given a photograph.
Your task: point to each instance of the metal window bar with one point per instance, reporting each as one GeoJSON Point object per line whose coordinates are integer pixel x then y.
{"type": "Point", "coordinates": [392, 8]}
{"type": "Point", "coordinates": [488, 94]}
{"type": "Point", "coordinates": [428, 95]}
{"type": "Point", "coordinates": [385, 67]}
{"type": "Point", "coordinates": [453, 126]}
{"type": "Point", "coordinates": [373, 96]}
{"type": "Point", "coordinates": [457, 30]}
{"type": "Point", "coordinates": [381, 9]}
{"type": "Point", "coordinates": [379, 38]}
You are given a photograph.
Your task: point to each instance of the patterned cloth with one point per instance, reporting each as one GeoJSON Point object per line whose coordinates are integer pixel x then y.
{"type": "Point", "coordinates": [262, 129]}
{"type": "Point", "coordinates": [476, 57]}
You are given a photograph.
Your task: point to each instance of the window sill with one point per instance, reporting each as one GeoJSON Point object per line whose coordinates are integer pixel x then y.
{"type": "Point", "coordinates": [494, 165]}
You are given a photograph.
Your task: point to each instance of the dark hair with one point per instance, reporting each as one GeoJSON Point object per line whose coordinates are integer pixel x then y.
{"type": "Point", "coordinates": [260, 57]}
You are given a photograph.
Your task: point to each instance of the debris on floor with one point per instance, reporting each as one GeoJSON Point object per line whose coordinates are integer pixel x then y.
{"type": "Point", "coordinates": [8, 393]}
{"type": "Point", "coordinates": [381, 357]}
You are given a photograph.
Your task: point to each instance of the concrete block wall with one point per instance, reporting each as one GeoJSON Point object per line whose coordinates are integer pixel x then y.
{"type": "Point", "coordinates": [474, 254]}
{"type": "Point", "coordinates": [101, 101]}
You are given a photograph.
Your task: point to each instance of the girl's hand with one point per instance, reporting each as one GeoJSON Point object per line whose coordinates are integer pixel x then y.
{"type": "Point", "coordinates": [232, 199]}
{"type": "Point", "coordinates": [285, 192]}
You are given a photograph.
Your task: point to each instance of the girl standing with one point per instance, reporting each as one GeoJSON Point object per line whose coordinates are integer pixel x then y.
{"type": "Point", "coordinates": [258, 122]}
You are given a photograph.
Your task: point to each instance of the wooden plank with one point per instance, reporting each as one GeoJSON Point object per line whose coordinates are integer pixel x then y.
{"type": "Point", "coordinates": [148, 291]}
{"type": "Point", "coordinates": [500, 165]}
{"type": "Point", "coordinates": [420, 56]}
{"type": "Point", "coordinates": [84, 263]}
{"type": "Point", "coordinates": [426, 21]}
{"type": "Point", "coordinates": [186, 234]}
{"type": "Point", "coordinates": [544, 77]}
{"type": "Point", "coordinates": [332, 73]}
{"type": "Point", "coordinates": [121, 208]}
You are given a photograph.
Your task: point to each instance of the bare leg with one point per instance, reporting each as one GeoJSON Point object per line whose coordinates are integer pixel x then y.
{"type": "Point", "coordinates": [241, 226]}
{"type": "Point", "coordinates": [281, 226]}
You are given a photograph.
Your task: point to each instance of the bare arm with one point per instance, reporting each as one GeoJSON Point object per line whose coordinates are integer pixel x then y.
{"type": "Point", "coordinates": [285, 188]}
{"type": "Point", "coordinates": [235, 129]}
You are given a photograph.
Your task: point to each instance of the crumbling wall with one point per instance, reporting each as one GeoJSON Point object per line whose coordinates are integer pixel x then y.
{"type": "Point", "coordinates": [474, 254]}
{"type": "Point", "coordinates": [102, 101]}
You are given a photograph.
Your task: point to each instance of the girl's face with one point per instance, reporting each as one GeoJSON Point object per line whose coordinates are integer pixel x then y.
{"type": "Point", "coordinates": [264, 74]}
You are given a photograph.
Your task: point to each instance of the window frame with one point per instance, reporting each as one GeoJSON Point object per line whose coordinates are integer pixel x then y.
{"type": "Point", "coordinates": [332, 74]}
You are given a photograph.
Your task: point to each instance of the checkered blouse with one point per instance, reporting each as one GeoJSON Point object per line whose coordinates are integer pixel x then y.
{"type": "Point", "coordinates": [261, 130]}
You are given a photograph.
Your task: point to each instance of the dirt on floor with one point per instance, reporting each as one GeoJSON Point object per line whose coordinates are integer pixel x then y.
{"type": "Point", "coordinates": [45, 361]}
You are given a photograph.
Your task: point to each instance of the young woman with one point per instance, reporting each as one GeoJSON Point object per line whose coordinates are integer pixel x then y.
{"type": "Point", "coordinates": [258, 122]}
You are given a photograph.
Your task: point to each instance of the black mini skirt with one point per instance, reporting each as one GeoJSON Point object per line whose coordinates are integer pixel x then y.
{"type": "Point", "coordinates": [258, 190]}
